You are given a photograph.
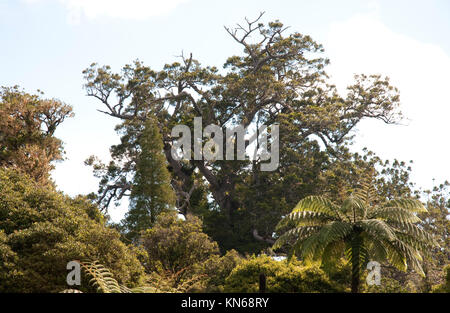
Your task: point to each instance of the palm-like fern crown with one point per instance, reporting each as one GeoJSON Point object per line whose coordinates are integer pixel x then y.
{"type": "Point", "coordinates": [318, 229]}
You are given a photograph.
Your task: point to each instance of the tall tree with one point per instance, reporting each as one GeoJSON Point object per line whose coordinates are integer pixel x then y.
{"type": "Point", "coordinates": [151, 193]}
{"type": "Point", "coordinates": [27, 127]}
{"type": "Point", "coordinates": [361, 228]}
{"type": "Point", "coordinates": [280, 78]}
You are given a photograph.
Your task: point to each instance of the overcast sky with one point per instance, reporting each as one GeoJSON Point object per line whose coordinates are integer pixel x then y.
{"type": "Point", "coordinates": [45, 44]}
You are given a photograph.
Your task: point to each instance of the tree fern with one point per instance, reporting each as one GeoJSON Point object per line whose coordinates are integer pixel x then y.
{"type": "Point", "coordinates": [360, 229]}
{"type": "Point", "coordinates": [103, 280]}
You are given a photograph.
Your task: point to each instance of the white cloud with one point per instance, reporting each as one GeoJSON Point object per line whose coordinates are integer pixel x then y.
{"type": "Point", "coordinates": [420, 70]}
{"type": "Point", "coordinates": [123, 9]}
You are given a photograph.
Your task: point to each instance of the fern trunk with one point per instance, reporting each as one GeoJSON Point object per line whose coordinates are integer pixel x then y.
{"type": "Point", "coordinates": [356, 263]}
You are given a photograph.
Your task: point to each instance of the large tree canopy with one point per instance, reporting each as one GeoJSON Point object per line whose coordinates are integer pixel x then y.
{"type": "Point", "coordinates": [279, 78]}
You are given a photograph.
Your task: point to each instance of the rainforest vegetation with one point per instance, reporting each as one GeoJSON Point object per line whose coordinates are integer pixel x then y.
{"type": "Point", "coordinates": [312, 225]}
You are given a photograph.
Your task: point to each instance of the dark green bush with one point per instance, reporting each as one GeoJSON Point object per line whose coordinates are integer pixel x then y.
{"type": "Point", "coordinates": [41, 230]}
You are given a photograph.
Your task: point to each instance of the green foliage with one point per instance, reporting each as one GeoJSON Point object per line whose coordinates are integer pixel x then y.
{"type": "Point", "coordinates": [281, 276]}
{"type": "Point", "coordinates": [174, 244]}
{"type": "Point", "coordinates": [27, 127]}
{"type": "Point", "coordinates": [42, 230]}
{"type": "Point", "coordinates": [360, 228]}
{"type": "Point", "coordinates": [151, 193]}
{"type": "Point", "coordinates": [445, 286]}
{"type": "Point", "coordinates": [388, 285]}
{"type": "Point", "coordinates": [215, 270]}
{"type": "Point", "coordinates": [103, 280]}
{"type": "Point", "coordinates": [182, 258]}
{"type": "Point", "coordinates": [8, 259]}
{"type": "Point", "coordinates": [437, 223]}
{"type": "Point", "coordinates": [279, 78]}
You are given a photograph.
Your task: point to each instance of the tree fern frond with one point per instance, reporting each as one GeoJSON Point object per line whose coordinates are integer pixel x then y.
{"type": "Point", "coordinates": [314, 245]}
{"type": "Point", "coordinates": [101, 277]}
{"type": "Point", "coordinates": [71, 291]}
{"type": "Point", "coordinates": [412, 205]}
{"type": "Point", "coordinates": [376, 249]}
{"type": "Point", "coordinates": [412, 256]}
{"type": "Point", "coordinates": [414, 242]}
{"type": "Point", "coordinates": [144, 289]}
{"type": "Point", "coordinates": [339, 230]}
{"type": "Point", "coordinates": [308, 246]}
{"type": "Point", "coordinates": [308, 218]}
{"type": "Point", "coordinates": [297, 233]}
{"type": "Point", "coordinates": [355, 207]}
{"type": "Point", "coordinates": [416, 232]}
{"type": "Point", "coordinates": [395, 256]}
{"type": "Point", "coordinates": [124, 289]}
{"type": "Point", "coordinates": [377, 228]}
{"type": "Point", "coordinates": [316, 204]}
{"type": "Point", "coordinates": [395, 214]}
{"type": "Point", "coordinates": [333, 252]}
{"type": "Point", "coordinates": [303, 218]}
{"type": "Point", "coordinates": [366, 190]}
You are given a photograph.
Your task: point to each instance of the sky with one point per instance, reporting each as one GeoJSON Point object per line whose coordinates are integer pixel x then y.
{"type": "Point", "coordinates": [45, 45]}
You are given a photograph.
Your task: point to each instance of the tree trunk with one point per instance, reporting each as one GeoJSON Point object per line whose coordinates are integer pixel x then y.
{"type": "Point", "coordinates": [356, 245]}
{"type": "Point", "coordinates": [262, 283]}
{"type": "Point", "coordinates": [355, 277]}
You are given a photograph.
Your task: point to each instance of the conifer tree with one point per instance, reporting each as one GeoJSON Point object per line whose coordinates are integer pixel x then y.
{"type": "Point", "coordinates": [151, 193]}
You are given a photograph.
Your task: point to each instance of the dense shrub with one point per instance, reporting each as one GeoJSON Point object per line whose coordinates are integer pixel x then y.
{"type": "Point", "coordinates": [281, 276]}
{"type": "Point", "coordinates": [181, 257]}
{"type": "Point", "coordinates": [215, 270]}
{"type": "Point", "coordinates": [41, 230]}
{"type": "Point", "coordinates": [8, 258]}
{"type": "Point", "coordinates": [387, 285]}
{"type": "Point", "coordinates": [174, 244]}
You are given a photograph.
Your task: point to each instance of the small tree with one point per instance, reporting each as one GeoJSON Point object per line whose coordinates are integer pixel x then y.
{"type": "Point", "coordinates": [360, 229]}
{"type": "Point", "coordinates": [27, 127]}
